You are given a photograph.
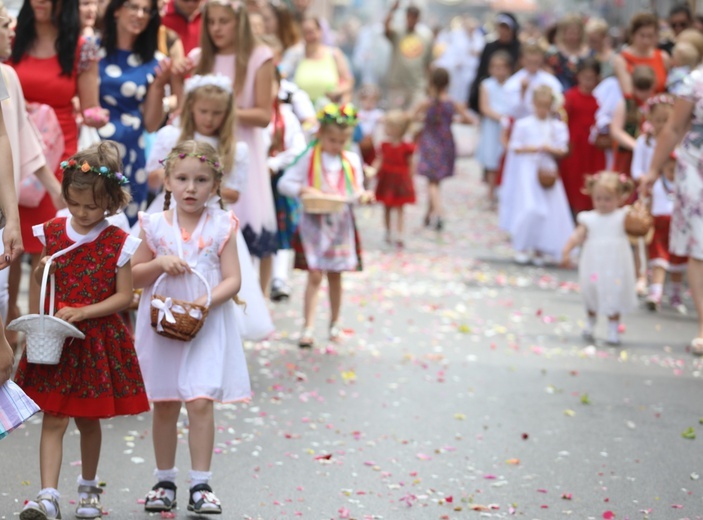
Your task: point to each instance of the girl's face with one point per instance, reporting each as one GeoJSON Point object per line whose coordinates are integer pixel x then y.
{"type": "Point", "coordinates": [645, 38]}
{"type": "Point", "coordinates": [256, 21]}
{"type": "Point", "coordinates": [532, 62]}
{"type": "Point", "coordinates": [88, 12]}
{"type": "Point", "coordinates": [543, 106]}
{"type": "Point", "coordinates": [669, 170]}
{"type": "Point", "coordinates": [133, 17]}
{"type": "Point", "coordinates": [208, 115]}
{"type": "Point", "coordinates": [604, 200]}
{"type": "Point", "coordinates": [368, 101]}
{"type": "Point", "coordinates": [192, 183]}
{"type": "Point", "coordinates": [573, 35]}
{"type": "Point", "coordinates": [658, 116]}
{"type": "Point", "coordinates": [587, 80]}
{"type": "Point", "coordinates": [270, 20]}
{"type": "Point", "coordinates": [6, 35]}
{"type": "Point", "coordinates": [334, 138]}
{"type": "Point", "coordinates": [499, 69]}
{"type": "Point", "coordinates": [394, 130]}
{"type": "Point", "coordinates": [311, 32]}
{"type": "Point", "coordinates": [222, 28]}
{"type": "Point", "coordinates": [86, 212]}
{"type": "Point", "coordinates": [42, 10]}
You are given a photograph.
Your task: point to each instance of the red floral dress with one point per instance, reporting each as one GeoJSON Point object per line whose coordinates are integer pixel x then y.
{"type": "Point", "coordinates": [395, 184]}
{"type": "Point", "coordinates": [97, 377]}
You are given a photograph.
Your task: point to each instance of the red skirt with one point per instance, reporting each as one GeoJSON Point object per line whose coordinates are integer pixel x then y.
{"type": "Point", "coordinates": [659, 255]}
{"type": "Point", "coordinates": [395, 188]}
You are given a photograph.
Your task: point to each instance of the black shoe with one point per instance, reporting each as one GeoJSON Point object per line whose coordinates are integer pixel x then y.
{"type": "Point", "coordinates": [439, 224]}
{"type": "Point", "coordinates": [157, 500]}
{"type": "Point", "coordinates": [279, 290]}
{"type": "Point", "coordinates": [207, 504]}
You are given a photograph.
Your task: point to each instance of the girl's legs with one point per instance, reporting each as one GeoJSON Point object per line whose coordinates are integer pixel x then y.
{"type": "Point", "coordinates": [201, 441]}
{"type": "Point", "coordinates": [334, 281]}
{"type": "Point", "coordinates": [656, 288]}
{"type": "Point", "coordinates": [435, 207]}
{"type": "Point", "coordinates": [13, 311]}
{"type": "Point", "coordinates": [491, 177]}
{"type": "Point", "coordinates": [310, 306]}
{"type": "Point", "coordinates": [387, 222]}
{"type": "Point", "coordinates": [613, 332]}
{"type": "Point", "coordinates": [265, 267]}
{"type": "Point", "coordinates": [640, 254]}
{"type": "Point", "coordinates": [50, 456]}
{"type": "Point", "coordinates": [88, 490]}
{"type": "Point", "coordinates": [400, 225]}
{"type": "Point", "coordinates": [165, 439]}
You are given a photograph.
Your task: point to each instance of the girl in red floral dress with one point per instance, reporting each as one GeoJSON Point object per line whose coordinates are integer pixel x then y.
{"type": "Point", "coordinates": [395, 186]}
{"type": "Point", "coordinates": [98, 377]}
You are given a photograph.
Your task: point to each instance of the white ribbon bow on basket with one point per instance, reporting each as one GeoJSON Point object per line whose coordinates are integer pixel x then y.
{"type": "Point", "coordinates": [164, 308]}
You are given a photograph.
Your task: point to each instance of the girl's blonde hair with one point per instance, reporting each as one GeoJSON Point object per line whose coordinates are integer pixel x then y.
{"type": "Point", "coordinates": [571, 20]}
{"type": "Point", "coordinates": [245, 42]}
{"type": "Point", "coordinates": [199, 149]}
{"type": "Point", "coordinates": [398, 119]}
{"type": "Point", "coordinates": [225, 133]}
{"type": "Point", "coordinates": [544, 91]}
{"type": "Point", "coordinates": [107, 189]}
{"type": "Point", "coordinates": [617, 183]}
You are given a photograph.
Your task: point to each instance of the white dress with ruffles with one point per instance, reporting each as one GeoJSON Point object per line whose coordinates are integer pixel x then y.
{"type": "Point", "coordinates": [211, 366]}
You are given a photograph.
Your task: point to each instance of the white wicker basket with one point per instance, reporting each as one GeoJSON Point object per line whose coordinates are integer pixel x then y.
{"type": "Point", "coordinates": [46, 333]}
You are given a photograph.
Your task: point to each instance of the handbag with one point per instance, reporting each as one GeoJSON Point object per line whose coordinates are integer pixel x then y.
{"type": "Point", "coordinates": [45, 123]}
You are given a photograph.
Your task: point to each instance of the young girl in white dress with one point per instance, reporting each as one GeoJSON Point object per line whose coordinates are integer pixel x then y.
{"type": "Point", "coordinates": [208, 116]}
{"type": "Point", "coordinates": [194, 236]}
{"type": "Point", "coordinates": [606, 267]}
{"type": "Point", "coordinates": [327, 243]}
{"type": "Point", "coordinates": [538, 219]}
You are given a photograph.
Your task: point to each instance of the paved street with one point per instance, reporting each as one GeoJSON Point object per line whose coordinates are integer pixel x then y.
{"type": "Point", "coordinates": [463, 390]}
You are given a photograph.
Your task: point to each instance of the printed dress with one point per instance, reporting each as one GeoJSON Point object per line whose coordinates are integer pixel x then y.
{"type": "Point", "coordinates": [124, 81]}
{"type": "Point", "coordinates": [395, 184]}
{"type": "Point", "coordinates": [606, 265]}
{"type": "Point", "coordinates": [99, 376]}
{"type": "Point", "coordinates": [212, 365]}
{"type": "Point", "coordinates": [436, 146]}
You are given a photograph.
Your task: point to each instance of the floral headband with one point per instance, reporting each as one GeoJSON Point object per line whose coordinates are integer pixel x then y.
{"type": "Point", "coordinates": [103, 171]}
{"type": "Point", "coordinates": [345, 114]}
{"type": "Point", "coordinates": [216, 80]}
{"type": "Point", "coordinates": [659, 99]}
{"type": "Point", "coordinates": [201, 157]}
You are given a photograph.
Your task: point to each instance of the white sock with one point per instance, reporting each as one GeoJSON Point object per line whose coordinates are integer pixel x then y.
{"type": "Point", "coordinates": [655, 290]}
{"type": "Point", "coordinates": [50, 509]}
{"type": "Point", "coordinates": [613, 333]}
{"type": "Point", "coordinates": [86, 496]}
{"type": "Point", "coordinates": [167, 475]}
{"type": "Point", "coordinates": [196, 478]}
{"type": "Point", "coordinates": [281, 265]}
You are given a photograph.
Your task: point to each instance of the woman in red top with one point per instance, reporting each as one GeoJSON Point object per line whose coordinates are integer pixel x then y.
{"type": "Point", "coordinates": [584, 158]}
{"type": "Point", "coordinates": [642, 50]}
{"type": "Point", "coordinates": [54, 65]}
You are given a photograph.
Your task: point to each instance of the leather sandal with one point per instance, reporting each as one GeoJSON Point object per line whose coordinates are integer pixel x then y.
{"type": "Point", "coordinates": [89, 508]}
{"type": "Point", "coordinates": [207, 504]}
{"type": "Point", "coordinates": [157, 499]}
{"type": "Point", "coordinates": [36, 510]}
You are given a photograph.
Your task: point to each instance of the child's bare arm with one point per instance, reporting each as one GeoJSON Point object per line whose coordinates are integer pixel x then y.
{"type": "Point", "coordinates": [577, 238]}
{"type": "Point", "coordinates": [117, 302]}
{"type": "Point", "coordinates": [146, 267]}
{"type": "Point", "coordinates": [231, 275]}
{"type": "Point", "coordinates": [465, 115]}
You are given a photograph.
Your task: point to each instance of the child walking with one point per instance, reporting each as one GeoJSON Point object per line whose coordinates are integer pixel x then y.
{"type": "Point", "coordinates": [661, 261]}
{"type": "Point", "coordinates": [436, 147]}
{"type": "Point", "coordinates": [195, 236]}
{"type": "Point", "coordinates": [606, 267]}
{"type": "Point", "coordinates": [493, 105]}
{"type": "Point", "coordinates": [395, 186]}
{"type": "Point", "coordinates": [327, 243]}
{"type": "Point", "coordinates": [97, 377]}
{"type": "Point", "coordinates": [209, 116]}
{"type": "Point", "coordinates": [537, 217]}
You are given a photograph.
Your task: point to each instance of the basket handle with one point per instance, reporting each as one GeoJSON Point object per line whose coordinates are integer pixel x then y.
{"type": "Point", "coordinates": [208, 290]}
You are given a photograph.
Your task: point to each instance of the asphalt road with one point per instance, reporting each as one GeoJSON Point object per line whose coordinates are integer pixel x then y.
{"type": "Point", "coordinates": [463, 390]}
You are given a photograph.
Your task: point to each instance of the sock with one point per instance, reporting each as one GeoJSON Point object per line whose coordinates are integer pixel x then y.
{"type": "Point", "coordinates": [198, 477]}
{"type": "Point", "coordinates": [613, 334]}
{"type": "Point", "coordinates": [86, 496]}
{"type": "Point", "coordinates": [676, 288]}
{"type": "Point", "coordinates": [167, 475]}
{"type": "Point", "coordinates": [281, 265]}
{"type": "Point", "coordinates": [655, 291]}
{"type": "Point", "coordinates": [50, 509]}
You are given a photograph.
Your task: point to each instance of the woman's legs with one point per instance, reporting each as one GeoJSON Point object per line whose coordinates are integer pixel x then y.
{"type": "Point", "coordinates": [435, 203]}
{"type": "Point", "coordinates": [695, 281]}
{"type": "Point", "coordinates": [311, 295]}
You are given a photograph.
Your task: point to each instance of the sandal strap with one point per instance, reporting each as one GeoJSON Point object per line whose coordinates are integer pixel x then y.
{"type": "Point", "coordinates": [165, 484]}
{"type": "Point", "coordinates": [92, 490]}
{"type": "Point", "coordinates": [200, 487]}
{"type": "Point", "coordinates": [206, 497]}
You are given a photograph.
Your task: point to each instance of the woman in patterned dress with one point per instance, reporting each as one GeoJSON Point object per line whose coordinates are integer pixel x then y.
{"type": "Point", "coordinates": [132, 85]}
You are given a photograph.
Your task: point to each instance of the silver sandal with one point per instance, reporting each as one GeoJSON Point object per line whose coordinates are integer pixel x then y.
{"type": "Point", "coordinates": [91, 503]}
{"type": "Point", "coordinates": [36, 510]}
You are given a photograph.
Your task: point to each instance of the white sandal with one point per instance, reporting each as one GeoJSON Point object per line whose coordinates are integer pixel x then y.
{"type": "Point", "coordinates": [335, 332]}
{"type": "Point", "coordinates": [697, 347]}
{"type": "Point", "coordinates": [306, 338]}
{"type": "Point", "coordinates": [36, 510]}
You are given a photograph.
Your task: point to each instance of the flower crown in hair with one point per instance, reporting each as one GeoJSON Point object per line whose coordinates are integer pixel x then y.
{"type": "Point", "coordinates": [659, 99]}
{"type": "Point", "coordinates": [345, 114]}
{"type": "Point", "coordinates": [103, 171]}
{"type": "Point", "coordinates": [201, 157]}
{"type": "Point", "coordinates": [216, 80]}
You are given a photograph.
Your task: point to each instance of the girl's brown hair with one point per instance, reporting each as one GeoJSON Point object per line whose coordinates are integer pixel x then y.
{"type": "Point", "coordinates": [225, 133]}
{"type": "Point", "coordinates": [618, 183]}
{"type": "Point", "coordinates": [245, 42]}
{"type": "Point", "coordinates": [288, 31]}
{"type": "Point", "coordinates": [193, 149]}
{"type": "Point", "coordinates": [107, 190]}
{"type": "Point", "coordinates": [439, 79]}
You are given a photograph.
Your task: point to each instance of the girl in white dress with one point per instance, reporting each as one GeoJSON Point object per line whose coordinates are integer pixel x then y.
{"type": "Point", "coordinates": [327, 243]}
{"type": "Point", "coordinates": [537, 218]}
{"type": "Point", "coordinates": [606, 267]}
{"type": "Point", "coordinates": [195, 236]}
{"type": "Point", "coordinates": [208, 115]}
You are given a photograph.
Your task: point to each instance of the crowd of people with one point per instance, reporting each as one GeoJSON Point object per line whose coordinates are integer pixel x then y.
{"type": "Point", "coordinates": [179, 158]}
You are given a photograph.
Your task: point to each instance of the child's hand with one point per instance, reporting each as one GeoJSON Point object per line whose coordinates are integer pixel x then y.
{"type": "Point", "coordinates": [71, 314]}
{"type": "Point", "coordinates": [173, 265]}
{"type": "Point", "coordinates": [367, 197]}
{"type": "Point", "coordinates": [42, 264]}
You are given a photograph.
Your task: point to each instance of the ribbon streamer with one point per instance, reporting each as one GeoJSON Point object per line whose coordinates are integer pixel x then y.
{"type": "Point", "coordinates": [164, 308]}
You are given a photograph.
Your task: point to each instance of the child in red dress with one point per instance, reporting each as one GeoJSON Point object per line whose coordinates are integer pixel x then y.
{"type": "Point", "coordinates": [584, 158]}
{"type": "Point", "coordinates": [395, 183]}
{"type": "Point", "coordinates": [98, 377]}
